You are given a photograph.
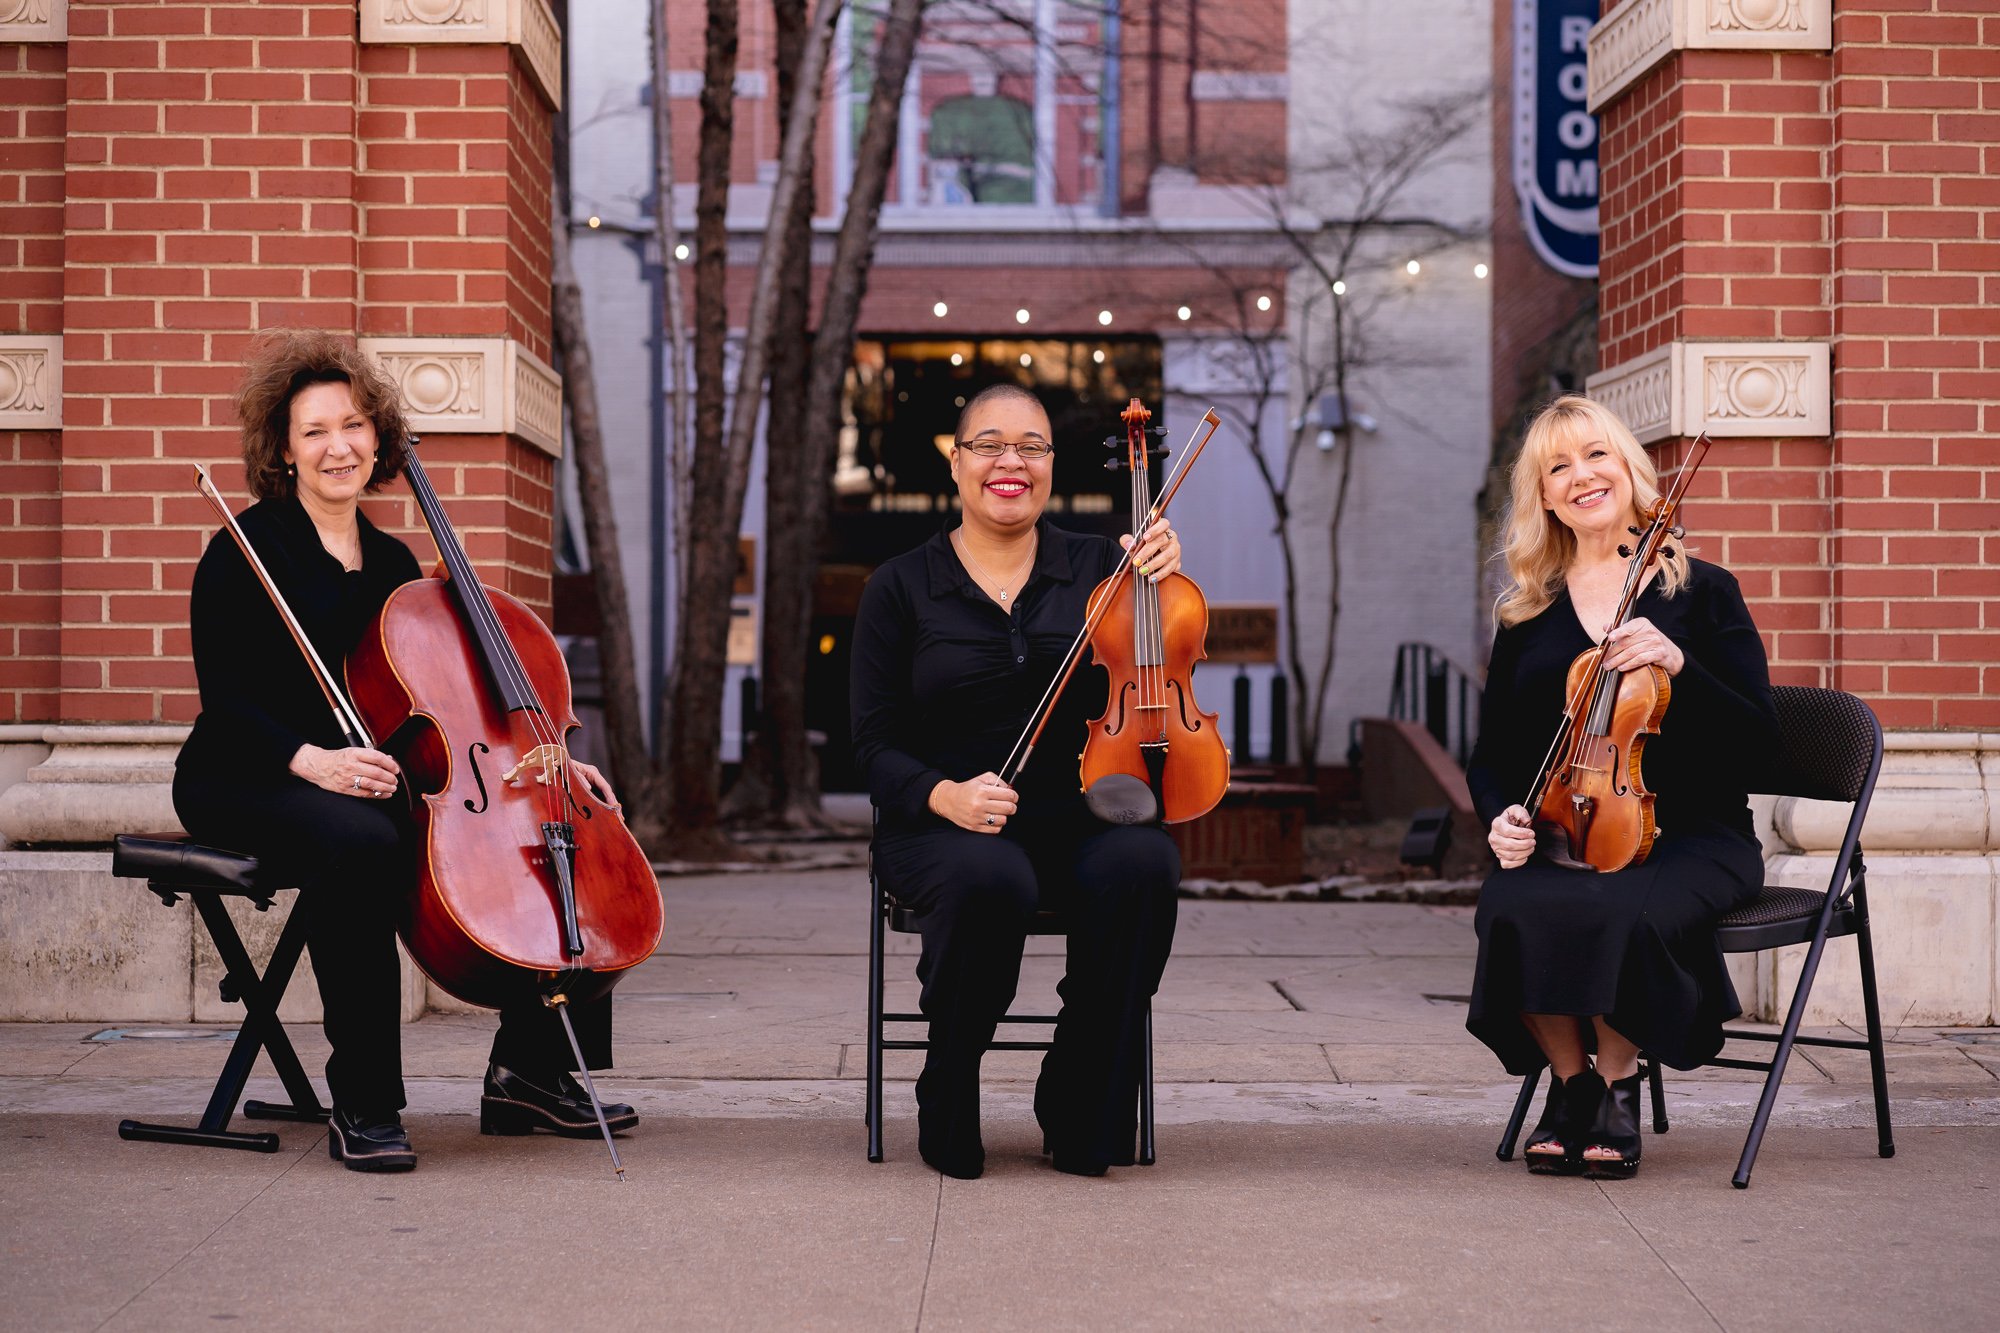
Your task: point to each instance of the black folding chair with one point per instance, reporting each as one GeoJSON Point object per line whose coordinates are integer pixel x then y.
{"type": "Point", "coordinates": [1830, 749]}
{"type": "Point", "coordinates": [886, 914]}
{"type": "Point", "coordinates": [173, 865]}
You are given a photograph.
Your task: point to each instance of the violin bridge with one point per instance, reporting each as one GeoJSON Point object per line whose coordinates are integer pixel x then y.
{"type": "Point", "coordinates": [547, 759]}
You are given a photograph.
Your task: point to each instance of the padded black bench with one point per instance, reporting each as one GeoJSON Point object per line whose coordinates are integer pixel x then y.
{"type": "Point", "coordinates": [174, 865]}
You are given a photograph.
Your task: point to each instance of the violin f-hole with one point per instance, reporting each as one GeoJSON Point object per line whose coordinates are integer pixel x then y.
{"type": "Point", "coordinates": [1117, 723]}
{"type": "Point", "coordinates": [472, 762]}
{"type": "Point", "coordinates": [1181, 701]}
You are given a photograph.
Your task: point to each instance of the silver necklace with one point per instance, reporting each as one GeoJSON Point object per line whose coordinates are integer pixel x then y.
{"type": "Point", "coordinates": [965, 554]}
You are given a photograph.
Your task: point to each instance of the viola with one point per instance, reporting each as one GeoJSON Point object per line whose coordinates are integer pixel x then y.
{"type": "Point", "coordinates": [1590, 806]}
{"type": "Point", "coordinates": [1153, 754]}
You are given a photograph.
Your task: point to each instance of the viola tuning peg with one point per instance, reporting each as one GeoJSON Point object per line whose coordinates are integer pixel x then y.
{"type": "Point", "coordinates": [1669, 552]}
{"type": "Point", "coordinates": [1625, 551]}
{"type": "Point", "coordinates": [1677, 532]}
{"type": "Point", "coordinates": [1633, 530]}
{"type": "Point", "coordinates": [1156, 430]}
{"type": "Point", "coordinates": [1112, 465]}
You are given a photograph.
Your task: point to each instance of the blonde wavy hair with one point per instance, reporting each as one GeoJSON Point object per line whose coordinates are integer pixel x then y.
{"type": "Point", "coordinates": [1536, 546]}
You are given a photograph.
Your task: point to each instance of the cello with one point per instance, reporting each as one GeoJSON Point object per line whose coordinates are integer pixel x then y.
{"type": "Point", "coordinates": [1153, 755]}
{"type": "Point", "coordinates": [528, 886]}
{"type": "Point", "coordinates": [1589, 805]}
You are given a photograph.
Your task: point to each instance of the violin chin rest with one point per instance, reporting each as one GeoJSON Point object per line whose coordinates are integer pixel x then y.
{"type": "Point", "coordinates": [1120, 798]}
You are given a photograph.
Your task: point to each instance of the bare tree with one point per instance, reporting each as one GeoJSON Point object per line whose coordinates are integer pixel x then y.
{"type": "Point", "coordinates": [800, 466]}
{"type": "Point", "coordinates": [666, 233]}
{"type": "Point", "coordinates": [721, 464]}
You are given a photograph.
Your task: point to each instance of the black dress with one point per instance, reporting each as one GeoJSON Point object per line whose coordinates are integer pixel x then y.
{"type": "Point", "coordinates": [352, 857]}
{"type": "Point", "coordinates": [1638, 945]}
{"type": "Point", "coordinates": [943, 681]}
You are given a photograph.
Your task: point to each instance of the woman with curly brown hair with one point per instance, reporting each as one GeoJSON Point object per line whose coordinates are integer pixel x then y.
{"type": "Point", "coordinates": [265, 770]}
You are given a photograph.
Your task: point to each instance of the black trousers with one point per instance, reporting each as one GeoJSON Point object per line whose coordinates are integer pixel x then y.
{"type": "Point", "coordinates": [976, 894]}
{"type": "Point", "coordinates": [353, 860]}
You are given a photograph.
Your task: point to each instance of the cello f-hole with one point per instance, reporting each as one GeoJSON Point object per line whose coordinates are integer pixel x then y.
{"type": "Point", "coordinates": [472, 753]}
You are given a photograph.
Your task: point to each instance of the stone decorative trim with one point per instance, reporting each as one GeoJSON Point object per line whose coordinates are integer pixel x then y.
{"type": "Point", "coordinates": [1639, 34]}
{"type": "Point", "coordinates": [34, 20]}
{"type": "Point", "coordinates": [97, 781]}
{"type": "Point", "coordinates": [1772, 390]}
{"type": "Point", "coordinates": [528, 25]}
{"type": "Point", "coordinates": [30, 379]}
{"type": "Point", "coordinates": [1230, 85]}
{"type": "Point", "coordinates": [474, 386]}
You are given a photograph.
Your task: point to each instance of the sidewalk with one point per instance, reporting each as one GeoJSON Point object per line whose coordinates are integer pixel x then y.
{"type": "Point", "coordinates": [1327, 1130]}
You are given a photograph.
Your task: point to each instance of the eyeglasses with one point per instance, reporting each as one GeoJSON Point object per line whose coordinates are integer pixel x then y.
{"type": "Point", "coordinates": [1029, 450]}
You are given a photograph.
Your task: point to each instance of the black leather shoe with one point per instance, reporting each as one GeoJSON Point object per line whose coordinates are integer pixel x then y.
{"type": "Point", "coordinates": [1066, 1148]}
{"type": "Point", "coordinates": [1611, 1148]}
{"type": "Point", "coordinates": [515, 1104]}
{"type": "Point", "coordinates": [1553, 1148]}
{"type": "Point", "coordinates": [369, 1143]}
{"type": "Point", "coordinates": [948, 1122]}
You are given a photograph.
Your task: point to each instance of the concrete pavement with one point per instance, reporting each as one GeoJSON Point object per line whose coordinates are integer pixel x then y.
{"type": "Point", "coordinates": [1325, 1161]}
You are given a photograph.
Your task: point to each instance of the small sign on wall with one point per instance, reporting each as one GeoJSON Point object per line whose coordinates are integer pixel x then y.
{"type": "Point", "coordinates": [1243, 632]}
{"type": "Point", "coordinates": [743, 634]}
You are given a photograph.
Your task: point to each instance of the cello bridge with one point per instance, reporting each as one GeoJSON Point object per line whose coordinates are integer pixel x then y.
{"type": "Point", "coordinates": [546, 760]}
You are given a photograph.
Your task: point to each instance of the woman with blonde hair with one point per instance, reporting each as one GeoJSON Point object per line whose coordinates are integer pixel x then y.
{"type": "Point", "coordinates": [1576, 963]}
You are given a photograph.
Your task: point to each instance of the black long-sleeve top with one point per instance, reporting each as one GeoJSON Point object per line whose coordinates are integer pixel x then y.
{"type": "Point", "coordinates": [943, 681]}
{"type": "Point", "coordinates": [259, 702]}
{"type": "Point", "coordinates": [1721, 722]}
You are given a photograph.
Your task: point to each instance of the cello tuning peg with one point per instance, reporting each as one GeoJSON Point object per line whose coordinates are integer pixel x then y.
{"type": "Point", "coordinates": [1625, 551]}
{"type": "Point", "coordinates": [1113, 442]}
{"type": "Point", "coordinates": [1156, 430]}
{"type": "Point", "coordinates": [1112, 465]}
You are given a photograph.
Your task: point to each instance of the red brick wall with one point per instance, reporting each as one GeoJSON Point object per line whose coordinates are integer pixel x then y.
{"type": "Point", "coordinates": [1849, 196]}
{"type": "Point", "coordinates": [231, 169]}
{"type": "Point", "coordinates": [1916, 472]}
{"type": "Point", "coordinates": [32, 79]}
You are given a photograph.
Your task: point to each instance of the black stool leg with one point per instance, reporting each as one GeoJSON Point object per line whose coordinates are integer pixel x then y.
{"type": "Point", "coordinates": [1146, 1094]}
{"type": "Point", "coordinates": [1505, 1152]}
{"type": "Point", "coordinates": [873, 1111]}
{"type": "Point", "coordinates": [260, 1030]}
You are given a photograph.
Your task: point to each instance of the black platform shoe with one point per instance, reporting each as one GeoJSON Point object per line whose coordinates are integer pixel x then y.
{"type": "Point", "coordinates": [1551, 1149]}
{"type": "Point", "coordinates": [1065, 1147]}
{"type": "Point", "coordinates": [369, 1143]}
{"type": "Point", "coordinates": [512, 1103]}
{"type": "Point", "coordinates": [1616, 1129]}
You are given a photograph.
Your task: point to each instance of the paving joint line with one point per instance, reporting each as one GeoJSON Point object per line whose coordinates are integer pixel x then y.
{"type": "Point", "coordinates": [930, 1255]}
{"type": "Point", "coordinates": [1693, 1295]}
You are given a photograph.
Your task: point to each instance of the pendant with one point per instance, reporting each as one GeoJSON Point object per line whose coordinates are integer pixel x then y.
{"type": "Point", "coordinates": [1003, 594]}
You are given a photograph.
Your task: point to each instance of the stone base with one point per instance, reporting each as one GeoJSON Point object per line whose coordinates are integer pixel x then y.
{"type": "Point", "coordinates": [79, 944]}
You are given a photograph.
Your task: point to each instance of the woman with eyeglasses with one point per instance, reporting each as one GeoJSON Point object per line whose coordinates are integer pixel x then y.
{"type": "Point", "coordinates": [954, 644]}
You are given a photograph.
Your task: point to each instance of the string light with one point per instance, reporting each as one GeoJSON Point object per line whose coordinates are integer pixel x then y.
{"type": "Point", "coordinates": [681, 251]}
{"type": "Point", "coordinates": [1104, 317]}
{"type": "Point", "coordinates": [1413, 268]}
{"type": "Point", "coordinates": [957, 359]}
{"type": "Point", "coordinates": [1263, 303]}
{"type": "Point", "coordinates": [1027, 360]}
{"type": "Point", "coordinates": [595, 222]}
{"type": "Point", "coordinates": [1021, 315]}
{"type": "Point", "coordinates": [940, 310]}
{"type": "Point", "coordinates": [1184, 313]}
{"type": "Point", "coordinates": [1339, 287]}
{"type": "Point", "coordinates": [1480, 270]}
{"type": "Point", "coordinates": [1098, 356]}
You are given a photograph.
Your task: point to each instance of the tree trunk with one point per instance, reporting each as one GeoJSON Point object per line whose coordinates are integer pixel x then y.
{"type": "Point", "coordinates": [758, 795]}
{"type": "Point", "coordinates": [624, 722]}
{"type": "Point", "coordinates": [722, 465]}
{"type": "Point", "coordinates": [789, 583]}
{"type": "Point", "coordinates": [674, 347]}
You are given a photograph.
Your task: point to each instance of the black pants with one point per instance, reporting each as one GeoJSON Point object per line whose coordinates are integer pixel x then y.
{"type": "Point", "coordinates": [975, 895]}
{"type": "Point", "coordinates": [353, 860]}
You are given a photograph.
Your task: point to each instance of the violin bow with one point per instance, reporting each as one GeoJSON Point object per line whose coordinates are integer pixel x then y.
{"type": "Point", "coordinates": [1017, 758]}
{"type": "Point", "coordinates": [351, 726]}
{"type": "Point", "coordinates": [1661, 525]}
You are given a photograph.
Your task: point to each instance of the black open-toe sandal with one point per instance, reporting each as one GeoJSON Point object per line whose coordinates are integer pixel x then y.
{"type": "Point", "coordinates": [1616, 1130]}
{"type": "Point", "coordinates": [1554, 1146]}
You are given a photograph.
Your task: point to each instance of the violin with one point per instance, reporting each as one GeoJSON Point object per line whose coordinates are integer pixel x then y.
{"type": "Point", "coordinates": [1152, 755]}
{"type": "Point", "coordinates": [1589, 806]}
{"type": "Point", "coordinates": [528, 886]}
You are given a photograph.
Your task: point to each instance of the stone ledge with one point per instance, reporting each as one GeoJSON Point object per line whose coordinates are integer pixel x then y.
{"type": "Point", "coordinates": [529, 26]}
{"type": "Point", "coordinates": [1760, 390]}
{"type": "Point", "coordinates": [30, 375]}
{"type": "Point", "coordinates": [1636, 36]}
{"type": "Point", "coordinates": [34, 20]}
{"type": "Point", "coordinates": [97, 782]}
{"type": "Point", "coordinates": [474, 386]}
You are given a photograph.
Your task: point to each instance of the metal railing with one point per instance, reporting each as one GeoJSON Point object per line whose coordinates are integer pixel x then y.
{"type": "Point", "coordinates": [1436, 692]}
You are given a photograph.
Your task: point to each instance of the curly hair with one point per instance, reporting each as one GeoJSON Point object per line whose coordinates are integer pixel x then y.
{"type": "Point", "coordinates": [1536, 546]}
{"type": "Point", "coordinates": [284, 362]}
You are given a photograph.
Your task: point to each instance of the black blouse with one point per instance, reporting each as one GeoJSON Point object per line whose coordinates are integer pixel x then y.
{"type": "Point", "coordinates": [259, 702]}
{"type": "Point", "coordinates": [1720, 718]}
{"type": "Point", "coordinates": [944, 681]}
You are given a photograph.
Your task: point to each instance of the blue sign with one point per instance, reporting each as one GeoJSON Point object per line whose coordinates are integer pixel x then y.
{"type": "Point", "coordinates": [1555, 136]}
